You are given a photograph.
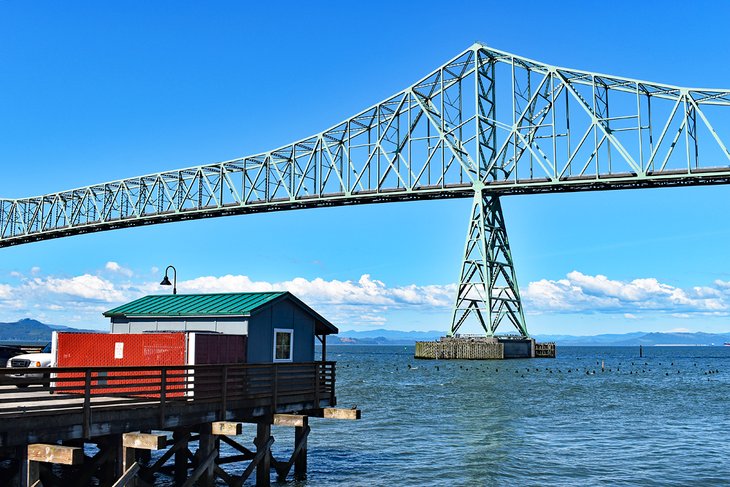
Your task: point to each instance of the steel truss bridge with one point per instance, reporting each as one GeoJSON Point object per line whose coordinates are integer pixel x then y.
{"type": "Point", "coordinates": [485, 124]}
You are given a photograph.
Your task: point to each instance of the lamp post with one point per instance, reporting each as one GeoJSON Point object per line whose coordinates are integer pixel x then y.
{"type": "Point", "coordinates": [166, 280]}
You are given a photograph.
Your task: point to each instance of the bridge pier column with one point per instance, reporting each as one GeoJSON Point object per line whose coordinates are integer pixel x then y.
{"type": "Point", "coordinates": [487, 293]}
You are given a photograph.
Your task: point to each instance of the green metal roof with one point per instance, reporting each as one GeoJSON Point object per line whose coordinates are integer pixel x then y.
{"type": "Point", "coordinates": [237, 304]}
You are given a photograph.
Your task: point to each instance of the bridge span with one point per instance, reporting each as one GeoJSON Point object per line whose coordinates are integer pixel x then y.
{"type": "Point", "coordinates": [485, 124]}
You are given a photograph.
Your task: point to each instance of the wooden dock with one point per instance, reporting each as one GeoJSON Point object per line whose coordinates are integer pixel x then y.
{"type": "Point", "coordinates": [47, 422]}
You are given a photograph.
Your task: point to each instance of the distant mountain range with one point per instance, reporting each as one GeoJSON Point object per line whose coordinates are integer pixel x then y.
{"type": "Point", "coordinates": [640, 338]}
{"type": "Point", "coordinates": [395, 337]}
{"type": "Point", "coordinates": [32, 331]}
{"type": "Point", "coordinates": [383, 337]}
{"type": "Point", "coordinates": [29, 331]}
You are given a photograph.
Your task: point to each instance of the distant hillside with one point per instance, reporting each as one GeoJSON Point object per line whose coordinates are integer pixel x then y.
{"type": "Point", "coordinates": [29, 331]}
{"type": "Point", "coordinates": [396, 337]}
{"type": "Point", "coordinates": [384, 337]}
{"type": "Point", "coordinates": [590, 340]}
{"type": "Point", "coordinates": [639, 338]}
{"type": "Point", "coordinates": [345, 340]}
{"type": "Point", "coordinates": [33, 331]}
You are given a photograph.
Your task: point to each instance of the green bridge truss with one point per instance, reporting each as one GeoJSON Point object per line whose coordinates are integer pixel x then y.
{"type": "Point", "coordinates": [485, 124]}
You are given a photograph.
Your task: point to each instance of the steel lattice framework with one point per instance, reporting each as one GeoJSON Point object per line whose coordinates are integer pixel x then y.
{"type": "Point", "coordinates": [485, 124]}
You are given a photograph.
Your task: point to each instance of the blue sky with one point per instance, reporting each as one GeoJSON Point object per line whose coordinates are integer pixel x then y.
{"type": "Point", "coordinates": [96, 91]}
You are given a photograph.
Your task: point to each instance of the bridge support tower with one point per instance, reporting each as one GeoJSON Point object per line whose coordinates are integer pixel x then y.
{"type": "Point", "coordinates": [487, 293]}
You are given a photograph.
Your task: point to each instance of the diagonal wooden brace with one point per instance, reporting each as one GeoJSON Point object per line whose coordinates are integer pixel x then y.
{"type": "Point", "coordinates": [283, 468]}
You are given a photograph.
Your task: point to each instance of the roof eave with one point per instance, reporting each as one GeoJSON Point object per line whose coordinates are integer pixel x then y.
{"type": "Point", "coordinates": [123, 315]}
{"type": "Point", "coordinates": [330, 329]}
{"type": "Point", "coordinates": [318, 318]}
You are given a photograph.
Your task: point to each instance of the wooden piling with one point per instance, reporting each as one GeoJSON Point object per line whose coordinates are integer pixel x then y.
{"type": "Point", "coordinates": [110, 467]}
{"type": "Point", "coordinates": [263, 469]}
{"type": "Point", "coordinates": [181, 457]}
{"type": "Point", "coordinates": [129, 466]}
{"type": "Point", "coordinates": [21, 475]}
{"type": "Point", "coordinates": [33, 473]}
{"type": "Point", "coordinates": [300, 449]}
{"type": "Point", "coordinates": [132, 444]}
{"type": "Point", "coordinates": [207, 447]}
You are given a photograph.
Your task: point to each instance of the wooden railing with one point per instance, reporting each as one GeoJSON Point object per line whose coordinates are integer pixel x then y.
{"type": "Point", "coordinates": [218, 387]}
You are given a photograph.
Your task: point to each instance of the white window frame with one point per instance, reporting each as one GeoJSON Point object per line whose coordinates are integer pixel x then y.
{"type": "Point", "coordinates": [290, 331]}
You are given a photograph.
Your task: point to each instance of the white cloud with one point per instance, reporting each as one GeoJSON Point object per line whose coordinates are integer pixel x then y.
{"type": "Point", "coordinates": [599, 294]}
{"type": "Point", "coordinates": [5, 291]}
{"type": "Point", "coordinates": [80, 300]}
{"type": "Point", "coordinates": [366, 291]}
{"type": "Point", "coordinates": [679, 330]}
{"type": "Point", "coordinates": [85, 286]}
{"type": "Point", "coordinates": [56, 299]}
{"type": "Point", "coordinates": [115, 267]}
{"type": "Point", "coordinates": [372, 319]}
{"type": "Point", "coordinates": [366, 301]}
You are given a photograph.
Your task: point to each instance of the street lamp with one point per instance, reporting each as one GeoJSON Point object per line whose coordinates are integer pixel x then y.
{"type": "Point", "coordinates": [166, 280]}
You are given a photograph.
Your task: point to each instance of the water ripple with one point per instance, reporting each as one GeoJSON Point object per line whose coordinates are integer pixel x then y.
{"type": "Point", "coordinates": [660, 420]}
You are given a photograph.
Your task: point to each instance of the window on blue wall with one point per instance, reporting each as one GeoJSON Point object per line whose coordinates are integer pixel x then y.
{"type": "Point", "coordinates": [283, 345]}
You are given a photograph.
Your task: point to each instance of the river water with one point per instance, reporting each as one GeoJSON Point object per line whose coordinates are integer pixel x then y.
{"type": "Point", "coordinates": [659, 420]}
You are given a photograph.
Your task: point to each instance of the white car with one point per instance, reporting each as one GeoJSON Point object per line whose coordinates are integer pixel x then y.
{"type": "Point", "coordinates": [29, 360]}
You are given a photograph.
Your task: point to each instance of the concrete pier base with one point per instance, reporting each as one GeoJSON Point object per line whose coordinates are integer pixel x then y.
{"type": "Point", "coordinates": [483, 348]}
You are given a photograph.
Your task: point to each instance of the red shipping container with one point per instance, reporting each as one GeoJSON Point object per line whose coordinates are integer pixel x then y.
{"type": "Point", "coordinates": [141, 349]}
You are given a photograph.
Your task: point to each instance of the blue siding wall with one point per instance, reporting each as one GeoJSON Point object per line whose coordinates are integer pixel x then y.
{"type": "Point", "coordinates": [282, 314]}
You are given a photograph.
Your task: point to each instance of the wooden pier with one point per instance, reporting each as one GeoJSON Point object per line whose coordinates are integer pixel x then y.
{"type": "Point", "coordinates": [52, 422]}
